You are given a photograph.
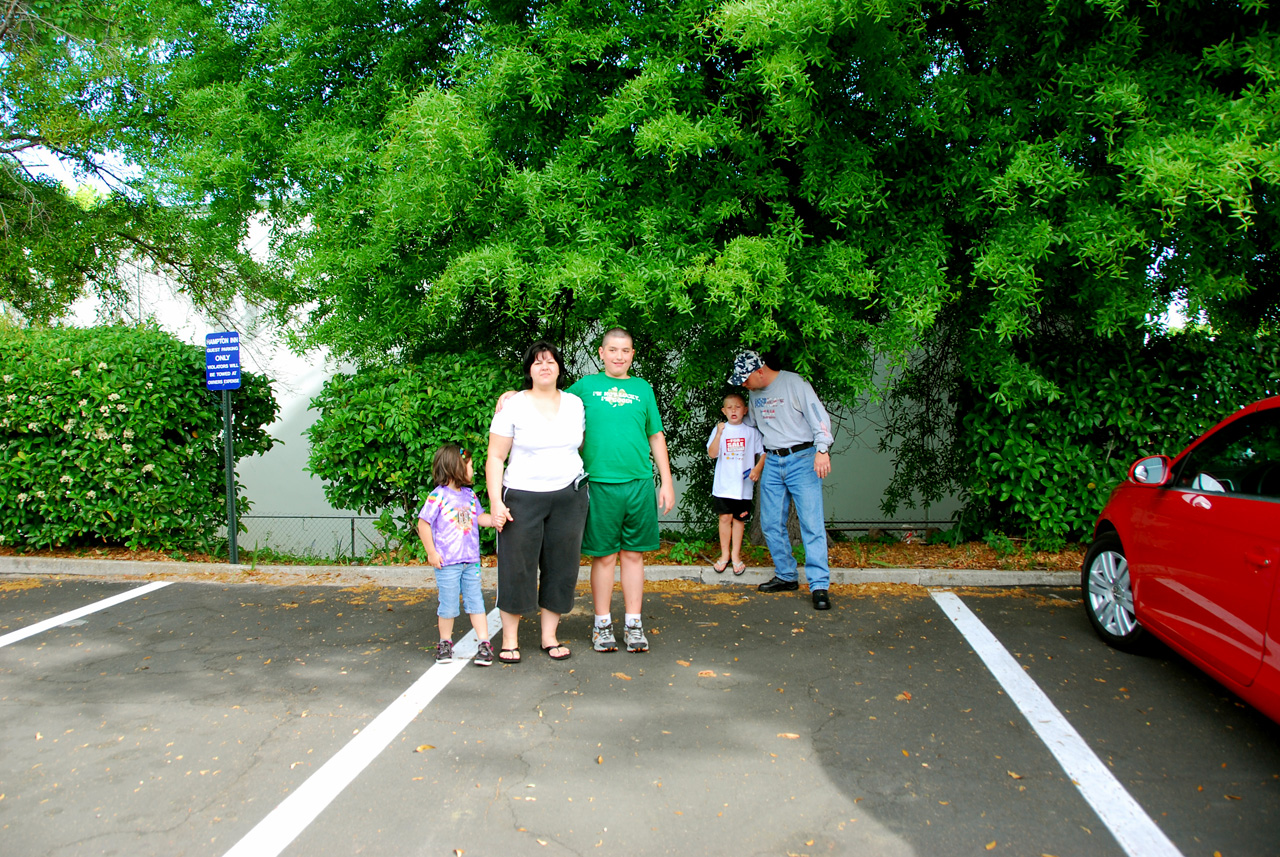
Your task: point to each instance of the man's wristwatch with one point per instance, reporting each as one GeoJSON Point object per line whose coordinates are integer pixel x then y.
{"type": "Point", "coordinates": [822, 449]}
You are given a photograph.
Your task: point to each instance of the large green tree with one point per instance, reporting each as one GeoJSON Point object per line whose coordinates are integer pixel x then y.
{"type": "Point", "coordinates": [74, 98]}
{"type": "Point", "coordinates": [854, 183]}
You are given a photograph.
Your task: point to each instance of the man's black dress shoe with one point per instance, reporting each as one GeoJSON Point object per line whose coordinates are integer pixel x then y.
{"type": "Point", "coordinates": [777, 584]}
{"type": "Point", "coordinates": [820, 600]}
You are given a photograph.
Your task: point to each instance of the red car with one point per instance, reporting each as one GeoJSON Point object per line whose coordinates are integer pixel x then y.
{"type": "Point", "coordinates": [1186, 550]}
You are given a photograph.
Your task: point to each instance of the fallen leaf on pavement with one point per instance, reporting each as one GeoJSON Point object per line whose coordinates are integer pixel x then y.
{"type": "Point", "coordinates": [1015, 776]}
{"type": "Point", "coordinates": [622, 676]}
{"type": "Point", "coordinates": [905, 696]}
{"type": "Point", "coordinates": [793, 736]}
{"type": "Point", "coordinates": [422, 748]}
{"type": "Point", "coordinates": [706, 673]}
{"type": "Point", "coordinates": [991, 845]}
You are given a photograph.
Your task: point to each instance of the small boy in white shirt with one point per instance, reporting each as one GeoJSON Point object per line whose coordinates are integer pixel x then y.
{"type": "Point", "coordinates": [739, 453]}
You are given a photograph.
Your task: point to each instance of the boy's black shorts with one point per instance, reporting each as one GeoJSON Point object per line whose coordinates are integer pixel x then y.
{"type": "Point", "coordinates": [740, 509]}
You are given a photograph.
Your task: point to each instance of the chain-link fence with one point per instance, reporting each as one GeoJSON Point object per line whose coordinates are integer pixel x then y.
{"type": "Point", "coordinates": [351, 537]}
{"type": "Point", "coordinates": [332, 537]}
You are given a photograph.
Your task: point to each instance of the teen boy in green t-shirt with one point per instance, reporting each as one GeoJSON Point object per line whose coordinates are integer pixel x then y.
{"type": "Point", "coordinates": [623, 430]}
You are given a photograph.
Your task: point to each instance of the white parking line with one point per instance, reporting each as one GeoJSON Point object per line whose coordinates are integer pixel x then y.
{"type": "Point", "coordinates": [15, 636]}
{"type": "Point", "coordinates": [274, 833]}
{"type": "Point", "coordinates": [1137, 834]}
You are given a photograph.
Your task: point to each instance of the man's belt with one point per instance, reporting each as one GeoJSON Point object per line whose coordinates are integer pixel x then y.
{"type": "Point", "coordinates": [791, 449]}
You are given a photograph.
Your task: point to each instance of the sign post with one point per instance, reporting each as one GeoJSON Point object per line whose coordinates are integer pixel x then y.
{"type": "Point", "coordinates": [222, 372]}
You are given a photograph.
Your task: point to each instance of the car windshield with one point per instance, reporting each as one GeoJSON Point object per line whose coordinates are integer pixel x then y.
{"type": "Point", "coordinates": [1243, 458]}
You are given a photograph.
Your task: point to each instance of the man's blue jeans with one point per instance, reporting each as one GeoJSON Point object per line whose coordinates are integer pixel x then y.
{"type": "Point", "coordinates": [792, 478]}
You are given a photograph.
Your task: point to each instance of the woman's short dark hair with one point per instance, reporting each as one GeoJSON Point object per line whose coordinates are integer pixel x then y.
{"type": "Point", "coordinates": [543, 347]}
{"type": "Point", "coordinates": [449, 466]}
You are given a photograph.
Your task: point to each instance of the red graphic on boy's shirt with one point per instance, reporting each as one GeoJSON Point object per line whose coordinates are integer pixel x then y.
{"type": "Point", "coordinates": [735, 447]}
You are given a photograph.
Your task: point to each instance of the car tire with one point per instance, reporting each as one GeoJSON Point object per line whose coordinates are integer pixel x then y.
{"type": "Point", "coordinates": [1108, 593]}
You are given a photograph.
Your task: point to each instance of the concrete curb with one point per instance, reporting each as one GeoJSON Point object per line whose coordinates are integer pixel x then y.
{"type": "Point", "coordinates": [411, 576]}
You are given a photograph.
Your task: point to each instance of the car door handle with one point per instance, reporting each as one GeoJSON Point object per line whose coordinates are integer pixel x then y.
{"type": "Point", "coordinates": [1257, 558]}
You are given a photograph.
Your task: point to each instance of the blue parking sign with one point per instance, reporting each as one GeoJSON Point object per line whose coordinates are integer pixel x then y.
{"type": "Point", "coordinates": [222, 360]}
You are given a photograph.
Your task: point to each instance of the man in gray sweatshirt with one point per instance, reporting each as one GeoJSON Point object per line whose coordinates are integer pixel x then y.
{"type": "Point", "coordinates": [797, 441]}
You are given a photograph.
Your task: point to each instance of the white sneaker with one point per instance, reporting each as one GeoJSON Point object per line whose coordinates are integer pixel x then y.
{"type": "Point", "coordinates": [602, 638]}
{"type": "Point", "coordinates": [635, 639]}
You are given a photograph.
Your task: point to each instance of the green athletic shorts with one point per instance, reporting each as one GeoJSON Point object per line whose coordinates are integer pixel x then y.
{"type": "Point", "coordinates": [621, 516]}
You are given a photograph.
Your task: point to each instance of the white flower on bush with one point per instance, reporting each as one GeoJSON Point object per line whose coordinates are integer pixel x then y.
{"type": "Point", "coordinates": [33, 426]}
{"type": "Point", "coordinates": [41, 495]}
{"type": "Point", "coordinates": [12, 397]}
{"type": "Point", "coordinates": [101, 434]}
{"type": "Point", "coordinates": [8, 378]}
{"type": "Point", "coordinates": [68, 425]}
{"type": "Point", "coordinates": [22, 498]}
{"type": "Point", "coordinates": [149, 385]}
{"type": "Point", "coordinates": [91, 494]}
{"type": "Point", "coordinates": [104, 410]}
{"type": "Point", "coordinates": [83, 403]}
{"type": "Point", "coordinates": [148, 468]}
{"type": "Point", "coordinates": [31, 400]}
{"type": "Point", "coordinates": [122, 408]}
{"type": "Point", "coordinates": [66, 477]}
{"type": "Point", "coordinates": [114, 397]}
{"type": "Point", "coordinates": [128, 434]}
{"type": "Point", "coordinates": [128, 448]}
{"type": "Point", "coordinates": [75, 373]}
{"type": "Point", "coordinates": [102, 365]}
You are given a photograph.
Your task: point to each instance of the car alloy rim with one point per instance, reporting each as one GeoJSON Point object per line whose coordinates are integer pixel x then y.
{"type": "Point", "coordinates": [1110, 597]}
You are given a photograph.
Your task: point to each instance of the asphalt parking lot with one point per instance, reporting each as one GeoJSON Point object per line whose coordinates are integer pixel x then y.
{"type": "Point", "coordinates": [212, 719]}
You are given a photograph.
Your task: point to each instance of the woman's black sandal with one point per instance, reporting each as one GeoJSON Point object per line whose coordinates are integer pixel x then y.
{"type": "Point", "coordinates": [514, 660]}
{"type": "Point", "coordinates": [548, 649]}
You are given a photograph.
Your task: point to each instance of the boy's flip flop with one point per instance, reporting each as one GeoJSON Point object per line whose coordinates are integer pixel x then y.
{"type": "Point", "coordinates": [739, 567]}
{"type": "Point", "coordinates": [720, 566]}
{"type": "Point", "coordinates": [549, 649]}
{"type": "Point", "coordinates": [509, 660]}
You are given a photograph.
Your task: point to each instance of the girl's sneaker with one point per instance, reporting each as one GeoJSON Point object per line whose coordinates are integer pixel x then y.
{"type": "Point", "coordinates": [444, 652]}
{"type": "Point", "coordinates": [484, 654]}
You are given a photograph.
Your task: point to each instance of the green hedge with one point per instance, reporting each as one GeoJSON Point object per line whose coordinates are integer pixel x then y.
{"type": "Point", "coordinates": [379, 429]}
{"type": "Point", "coordinates": [109, 436]}
{"type": "Point", "coordinates": [1045, 470]}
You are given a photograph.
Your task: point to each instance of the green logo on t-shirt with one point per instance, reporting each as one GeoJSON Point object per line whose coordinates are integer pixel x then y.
{"type": "Point", "coordinates": [616, 396]}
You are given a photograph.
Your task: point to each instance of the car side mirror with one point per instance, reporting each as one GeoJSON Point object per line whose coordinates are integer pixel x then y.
{"type": "Point", "coordinates": [1153, 470]}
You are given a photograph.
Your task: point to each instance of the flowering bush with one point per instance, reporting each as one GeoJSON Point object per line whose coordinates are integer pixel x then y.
{"type": "Point", "coordinates": [109, 436]}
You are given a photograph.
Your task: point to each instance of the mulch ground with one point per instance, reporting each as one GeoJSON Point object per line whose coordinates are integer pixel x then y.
{"type": "Point", "coordinates": [972, 555]}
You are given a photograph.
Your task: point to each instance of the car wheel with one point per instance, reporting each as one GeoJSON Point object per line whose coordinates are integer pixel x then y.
{"type": "Point", "coordinates": [1108, 593]}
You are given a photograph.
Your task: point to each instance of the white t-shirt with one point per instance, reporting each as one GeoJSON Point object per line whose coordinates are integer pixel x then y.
{"type": "Point", "coordinates": [739, 446]}
{"type": "Point", "coordinates": [544, 452]}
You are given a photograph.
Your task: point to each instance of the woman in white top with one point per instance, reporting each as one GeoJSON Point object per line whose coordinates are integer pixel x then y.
{"type": "Point", "coordinates": [538, 498]}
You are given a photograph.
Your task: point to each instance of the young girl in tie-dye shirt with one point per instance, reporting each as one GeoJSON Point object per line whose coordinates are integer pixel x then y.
{"type": "Point", "coordinates": [449, 528]}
